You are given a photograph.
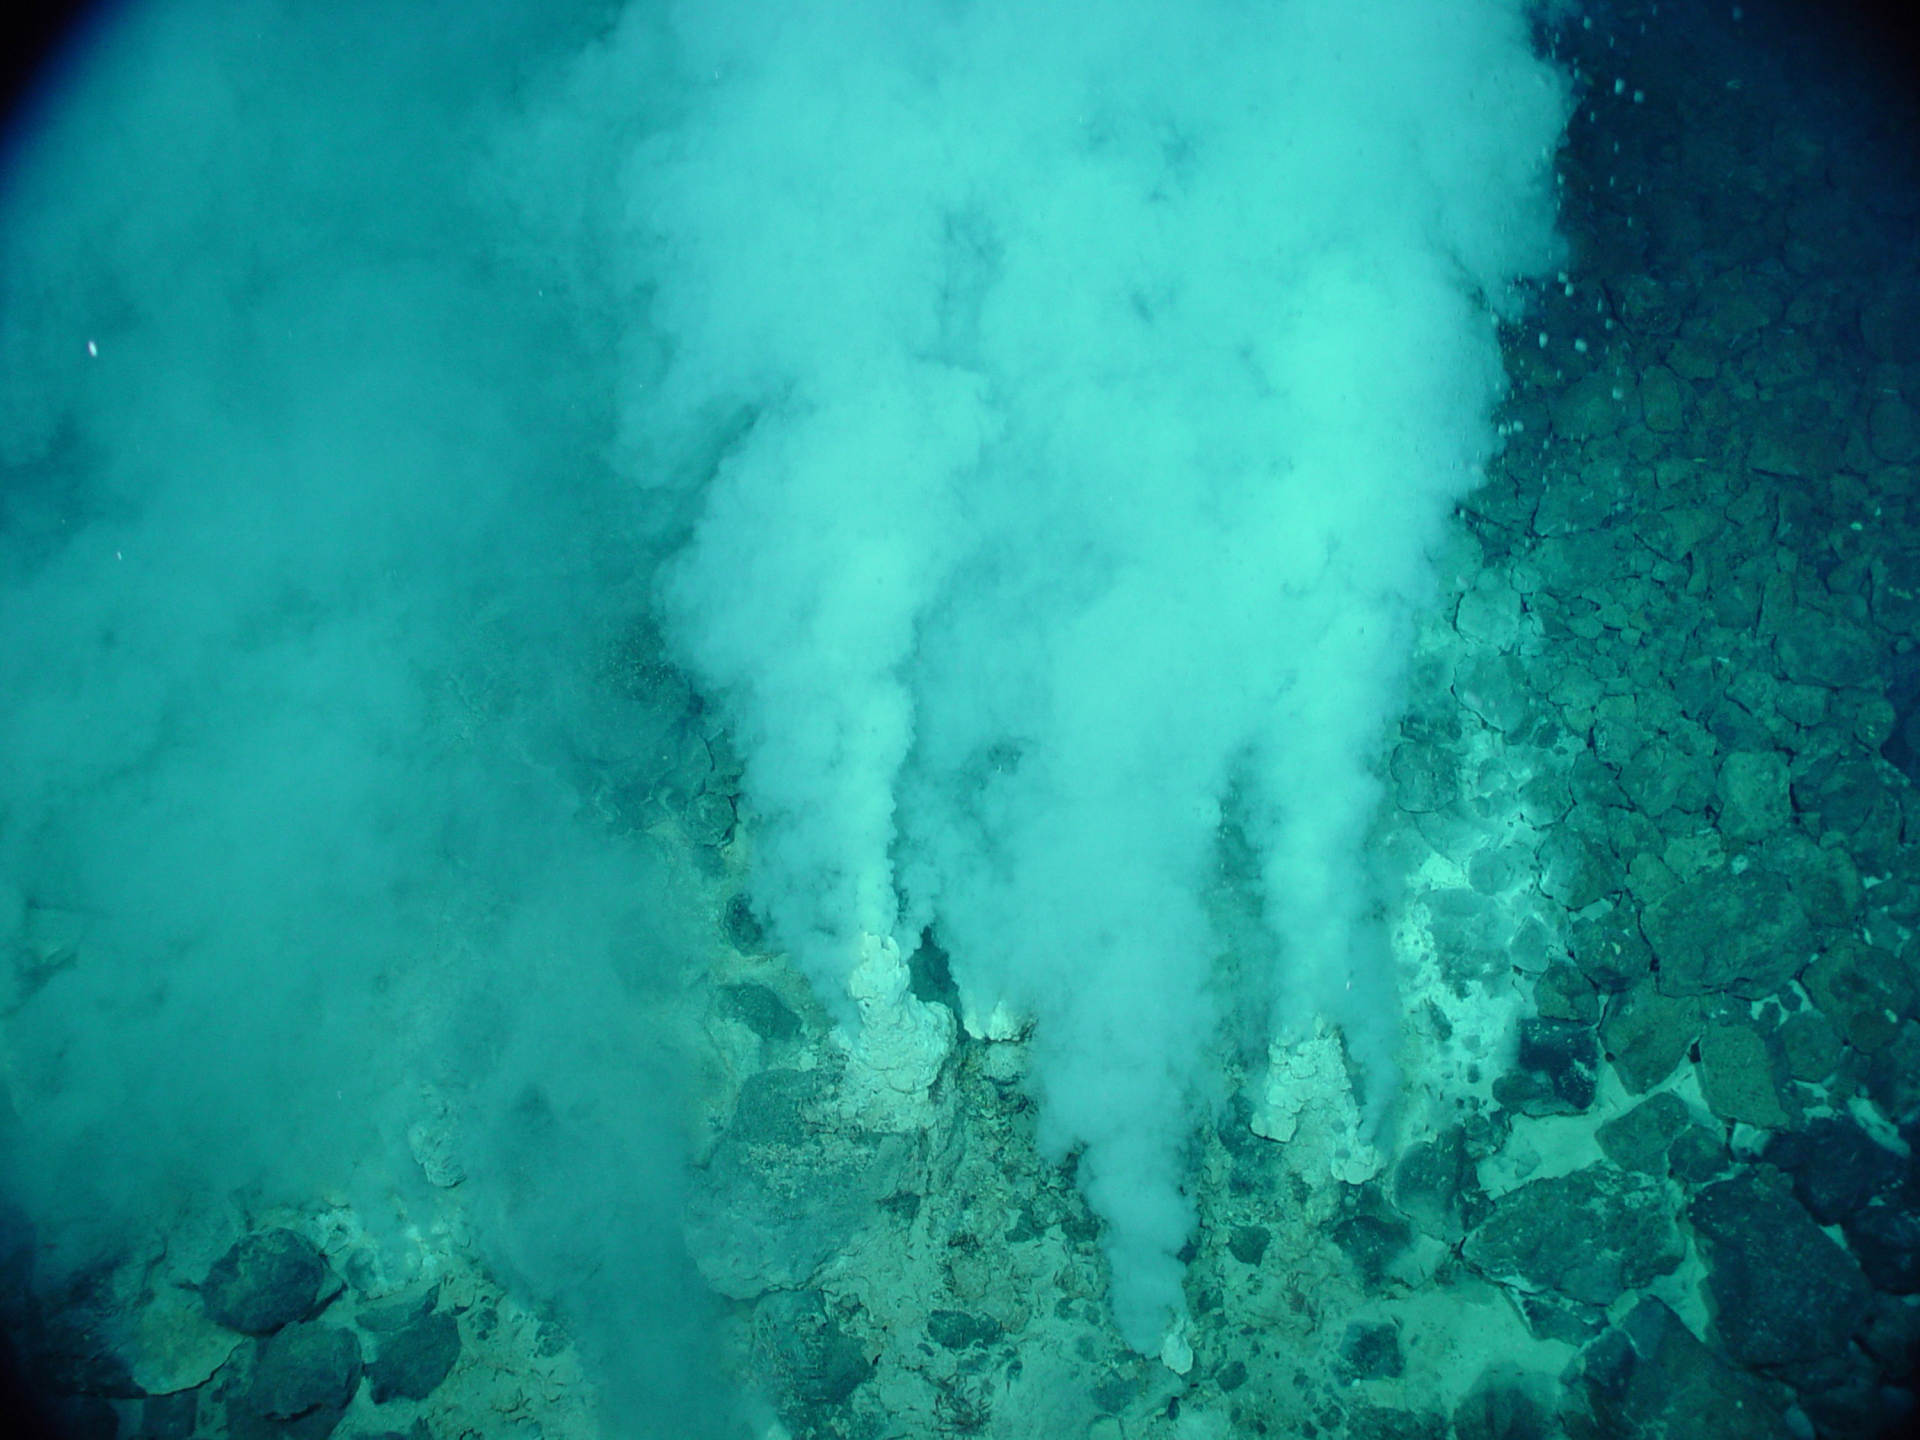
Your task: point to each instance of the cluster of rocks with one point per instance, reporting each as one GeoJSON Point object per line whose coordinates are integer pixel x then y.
{"type": "Point", "coordinates": [302, 1346]}
{"type": "Point", "coordinates": [1667, 753]}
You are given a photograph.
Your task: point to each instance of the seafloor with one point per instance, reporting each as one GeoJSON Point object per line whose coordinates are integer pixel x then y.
{"type": "Point", "coordinates": [1652, 1171]}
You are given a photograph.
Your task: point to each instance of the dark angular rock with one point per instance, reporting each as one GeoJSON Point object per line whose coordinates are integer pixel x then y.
{"type": "Point", "coordinates": [1386, 1422]}
{"type": "Point", "coordinates": [1837, 1168]}
{"type": "Point", "coordinates": [267, 1280]}
{"type": "Point", "coordinates": [1810, 1045]}
{"type": "Point", "coordinates": [1646, 1033]}
{"type": "Point", "coordinates": [1577, 867]}
{"type": "Point", "coordinates": [302, 1369]}
{"type": "Point", "coordinates": [1698, 1155]}
{"type": "Point", "coordinates": [779, 1107]}
{"type": "Point", "coordinates": [1552, 1316]}
{"type": "Point", "coordinates": [1824, 879]}
{"type": "Point", "coordinates": [1738, 1076]}
{"type": "Point", "coordinates": [1891, 1337]}
{"type": "Point", "coordinates": [760, 1010]}
{"type": "Point", "coordinates": [1371, 1243]}
{"type": "Point", "coordinates": [69, 1417]}
{"type": "Point", "coordinates": [1817, 649]}
{"type": "Point", "coordinates": [1424, 777]}
{"type": "Point", "coordinates": [1744, 933]}
{"type": "Point", "coordinates": [1638, 1140]}
{"type": "Point", "coordinates": [1609, 950]}
{"type": "Point", "coordinates": [1371, 1351]}
{"type": "Point", "coordinates": [1248, 1243]}
{"type": "Point", "coordinates": [957, 1329]}
{"type": "Point", "coordinates": [1670, 774]}
{"type": "Point", "coordinates": [1847, 797]}
{"type": "Point", "coordinates": [1650, 1376]}
{"type": "Point", "coordinates": [1782, 1290]}
{"type": "Point", "coordinates": [1893, 1075]}
{"type": "Point", "coordinates": [1495, 687]}
{"type": "Point", "coordinates": [413, 1361]}
{"type": "Point", "coordinates": [73, 1338]}
{"type": "Point", "coordinates": [1863, 990]}
{"type": "Point", "coordinates": [1753, 794]}
{"type": "Point", "coordinates": [1558, 1070]}
{"type": "Point", "coordinates": [1886, 1240]}
{"type": "Point", "coordinates": [1470, 931]}
{"type": "Point", "coordinates": [1590, 1235]}
{"type": "Point", "coordinates": [741, 926]}
{"type": "Point", "coordinates": [1563, 993]}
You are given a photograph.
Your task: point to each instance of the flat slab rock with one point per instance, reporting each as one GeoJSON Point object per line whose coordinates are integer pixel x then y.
{"type": "Point", "coordinates": [1591, 1235]}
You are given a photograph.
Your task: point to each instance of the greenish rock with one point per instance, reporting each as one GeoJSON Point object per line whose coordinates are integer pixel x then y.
{"type": "Point", "coordinates": [1823, 878]}
{"type": "Point", "coordinates": [1811, 1046]}
{"type": "Point", "coordinates": [1609, 951]}
{"type": "Point", "coordinates": [1591, 1235]}
{"type": "Point", "coordinates": [1562, 992]}
{"type": "Point", "coordinates": [1506, 1403]}
{"type": "Point", "coordinates": [303, 1369]}
{"type": "Point", "coordinates": [1818, 649]}
{"type": "Point", "coordinates": [1651, 1376]}
{"type": "Point", "coordinates": [1577, 866]}
{"type": "Point", "coordinates": [1698, 1155]}
{"type": "Point", "coordinates": [1783, 1291]}
{"type": "Point", "coordinates": [760, 1010]}
{"type": "Point", "coordinates": [1496, 688]}
{"type": "Point", "coordinates": [1489, 613]}
{"type": "Point", "coordinates": [1752, 791]}
{"type": "Point", "coordinates": [1863, 990]}
{"type": "Point", "coordinates": [1737, 1077]}
{"type": "Point", "coordinates": [1424, 778]}
{"type": "Point", "coordinates": [412, 1362]}
{"type": "Point", "coordinates": [1371, 1351]}
{"type": "Point", "coordinates": [1851, 799]}
{"type": "Point", "coordinates": [1248, 1243]}
{"type": "Point", "coordinates": [784, 1189]}
{"type": "Point", "coordinates": [1893, 1075]}
{"type": "Point", "coordinates": [1746, 933]}
{"type": "Point", "coordinates": [959, 1330]}
{"type": "Point", "coordinates": [1638, 1140]}
{"type": "Point", "coordinates": [1434, 1185]}
{"type": "Point", "coordinates": [1645, 1034]}
{"type": "Point", "coordinates": [1670, 773]}
{"type": "Point", "coordinates": [267, 1280]}
{"type": "Point", "coordinates": [1372, 1243]}
{"type": "Point", "coordinates": [1663, 400]}
{"type": "Point", "coordinates": [1591, 407]}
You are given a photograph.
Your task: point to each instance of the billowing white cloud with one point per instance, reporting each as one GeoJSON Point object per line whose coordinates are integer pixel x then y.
{"type": "Point", "coordinates": [1099, 379]}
